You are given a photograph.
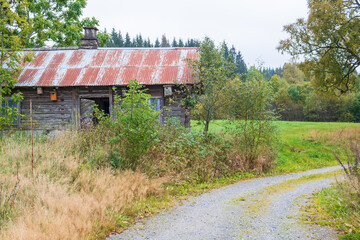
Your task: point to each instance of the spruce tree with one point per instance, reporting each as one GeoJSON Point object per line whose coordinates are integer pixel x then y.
{"type": "Point", "coordinates": [174, 43]}
{"type": "Point", "coordinates": [127, 41]}
{"type": "Point", "coordinates": [134, 42]}
{"type": "Point", "coordinates": [240, 64]}
{"type": "Point", "coordinates": [157, 43]}
{"type": "Point", "coordinates": [164, 41]}
{"type": "Point", "coordinates": [181, 43]}
{"type": "Point", "coordinates": [113, 38]}
{"type": "Point", "coordinates": [120, 40]}
{"type": "Point", "coordinates": [139, 41]}
{"type": "Point", "coordinates": [225, 49]}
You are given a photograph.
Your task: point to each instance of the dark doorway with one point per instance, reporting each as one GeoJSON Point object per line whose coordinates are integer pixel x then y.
{"type": "Point", "coordinates": [87, 118]}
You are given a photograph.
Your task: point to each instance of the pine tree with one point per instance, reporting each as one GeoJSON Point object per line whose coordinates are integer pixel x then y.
{"type": "Point", "coordinates": [127, 41]}
{"type": "Point", "coordinates": [164, 41]}
{"type": "Point", "coordinates": [120, 40]}
{"type": "Point", "coordinates": [134, 42]}
{"type": "Point", "coordinates": [113, 38]}
{"type": "Point", "coordinates": [181, 43]}
{"type": "Point", "coordinates": [139, 41]}
{"type": "Point", "coordinates": [240, 64]}
{"type": "Point", "coordinates": [225, 49]}
{"type": "Point", "coordinates": [174, 43]}
{"type": "Point", "coordinates": [157, 43]}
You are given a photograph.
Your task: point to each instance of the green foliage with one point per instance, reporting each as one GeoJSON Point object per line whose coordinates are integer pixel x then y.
{"type": "Point", "coordinates": [329, 40]}
{"type": "Point", "coordinates": [214, 71]}
{"type": "Point", "coordinates": [292, 74]}
{"type": "Point", "coordinates": [193, 157]}
{"type": "Point", "coordinates": [13, 30]}
{"type": "Point", "coordinates": [255, 128]}
{"type": "Point", "coordinates": [56, 20]}
{"type": "Point", "coordinates": [133, 125]}
{"type": "Point", "coordinates": [103, 38]}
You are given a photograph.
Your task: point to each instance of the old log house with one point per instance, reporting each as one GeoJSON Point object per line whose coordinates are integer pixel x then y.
{"type": "Point", "coordinates": [64, 83]}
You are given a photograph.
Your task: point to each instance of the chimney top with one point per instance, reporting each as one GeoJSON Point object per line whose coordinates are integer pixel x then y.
{"type": "Point", "coordinates": [90, 41]}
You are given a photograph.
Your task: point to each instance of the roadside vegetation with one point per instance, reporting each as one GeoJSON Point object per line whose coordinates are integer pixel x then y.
{"type": "Point", "coordinates": [339, 206]}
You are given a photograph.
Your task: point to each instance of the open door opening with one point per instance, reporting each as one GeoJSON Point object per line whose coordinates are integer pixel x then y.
{"type": "Point", "coordinates": [87, 118]}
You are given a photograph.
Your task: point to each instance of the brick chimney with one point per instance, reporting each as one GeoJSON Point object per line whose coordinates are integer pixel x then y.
{"type": "Point", "coordinates": [90, 41]}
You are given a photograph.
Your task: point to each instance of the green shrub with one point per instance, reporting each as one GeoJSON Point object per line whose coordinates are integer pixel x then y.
{"type": "Point", "coordinates": [132, 128]}
{"type": "Point", "coordinates": [255, 130]}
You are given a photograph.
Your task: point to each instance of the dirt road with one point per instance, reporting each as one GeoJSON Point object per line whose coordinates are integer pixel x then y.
{"type": "Point", "coordinates": [266, 208]}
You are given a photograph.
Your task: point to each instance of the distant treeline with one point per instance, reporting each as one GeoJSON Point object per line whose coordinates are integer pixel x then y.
{"type": "Point", "coordinates": [295, 99]}
{"type": "Point", "coordinates": [117, 40]}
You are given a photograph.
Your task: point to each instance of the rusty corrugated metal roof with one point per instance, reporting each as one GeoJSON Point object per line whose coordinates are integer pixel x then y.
{"type": "Point", "coordinates": [108, 67]}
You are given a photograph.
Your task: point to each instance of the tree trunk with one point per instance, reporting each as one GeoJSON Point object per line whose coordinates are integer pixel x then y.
{"type": "Point", "coordinates": [206, 129]}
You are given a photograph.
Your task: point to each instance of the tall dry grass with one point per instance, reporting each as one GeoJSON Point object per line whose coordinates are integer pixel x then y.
{"type": "Point", "coordinates": [335, 137]}
{"type": "Point", "coordinates": [65, 199]}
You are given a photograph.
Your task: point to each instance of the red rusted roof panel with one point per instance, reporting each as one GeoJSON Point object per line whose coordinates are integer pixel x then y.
{"type": "Point", "coordinates": [168, 74]}
{"type": "Point", "coordinates": [98, 58]}
{"type": "Point", "coordinates": [108, 67]}
{"type": "Point", "coordinates": [172, 58]}
{"type": "Point", "coordinates": [136, 58]}
{"type": "Point", "coordinates": [47, 78]}
{"type": "Point", "coordinates": [113, 58]}
{"type": "Point", "coordinates": [89, 77]}
{"type": "Point", "coordinates": [147, 72]}
{"type": "Point", "coordinates": [56, 60]}
{"type": "Point", "coordinates": [27, 76]}
{"type": "Point", "coordinates": [39, 59]}
{"type": "Point", "coordinates": [75, 58]}
{"type": "Point", "coordinates": [70, 77]}
{"type": "Point", "coordinates": [109, 76]}
{"type": "Point", "coordinates": [153, 58]}
{"type": "Point", "coordinates": [129, 73]}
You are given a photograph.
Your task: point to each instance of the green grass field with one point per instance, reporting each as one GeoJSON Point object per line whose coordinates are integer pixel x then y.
{"type": "Point", "coordinates": [303, 145]}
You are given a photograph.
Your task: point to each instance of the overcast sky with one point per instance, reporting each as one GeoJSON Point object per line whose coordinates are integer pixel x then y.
{"type": "Point", "coordinates": [253, 27]}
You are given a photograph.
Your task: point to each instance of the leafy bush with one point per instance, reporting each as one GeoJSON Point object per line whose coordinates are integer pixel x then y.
{"type": "Point", "coordinates": [131, 129]}
{"type": "Point", "coordinates": [255, 131]}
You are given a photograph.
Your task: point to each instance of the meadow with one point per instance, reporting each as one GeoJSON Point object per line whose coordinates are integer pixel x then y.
{"type": "Point", "coordinates": [70, 198]}
{"type": "Point", "coordinates": [303, 145]}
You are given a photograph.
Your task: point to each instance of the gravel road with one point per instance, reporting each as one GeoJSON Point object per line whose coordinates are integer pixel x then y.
{"type": "Point", "coordinates": [265, 208]}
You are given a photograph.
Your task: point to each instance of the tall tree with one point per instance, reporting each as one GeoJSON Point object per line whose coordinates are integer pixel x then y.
{"type": "Point", "coordinates": [241, 67]}
{"type": "Point", "coordinates": [127, 40]}
{"type": "Point", "coordinates": [157, 43]}
{"type": "Point", "coordinates": [14, 30]}
{"type": "Point", "coordinates": [114, 38]}
{"type": "Point", "coordinates": [120, 42]}
{"type": "Point", "coordinates": [174, 43]}
{"type": "Point", "coordinates": [164, 41]}
{"type": "Point", "coordinates": [181, 43]}
{"type": "Point", "coordinates": [139, 41]}
{"type": "Point", "coordinates": [292, 74]}
{"type": "Point", "coordinates": [214, 73]}
{"type": "Point", "coordinates": [329, 40]}
{"type": "Point", "coordinates": [57, 21]}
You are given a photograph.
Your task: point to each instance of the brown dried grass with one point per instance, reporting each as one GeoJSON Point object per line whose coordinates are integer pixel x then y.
{"type": "Point", "coordinates": [335, 137]}
{"type": "Point", "coordinates": [66, 199]}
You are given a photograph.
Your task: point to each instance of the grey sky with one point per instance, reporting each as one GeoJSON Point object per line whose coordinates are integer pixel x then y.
{"type": "Point", "coordinates": [253, 27]}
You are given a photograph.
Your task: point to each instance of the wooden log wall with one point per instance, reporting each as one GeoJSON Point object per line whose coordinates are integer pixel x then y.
{"type": "Point", "coordinates": [47, 114]}
{"type": "Point", "coordinates": [66, 111]}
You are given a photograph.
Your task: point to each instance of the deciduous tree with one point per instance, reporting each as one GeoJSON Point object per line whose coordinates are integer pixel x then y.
{"type": "Point", "coordinates": [214, 73]}
{"type": "Point", "coordinates": [329, 40]}
{"type": "Point", "coordinates": [13, 34]}
{"type": "Point", "coordinates": [58, 21]}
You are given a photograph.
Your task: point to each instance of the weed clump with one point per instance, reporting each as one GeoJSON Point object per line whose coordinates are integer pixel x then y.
{"type": "Point", "coordinates": [339, 206]}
